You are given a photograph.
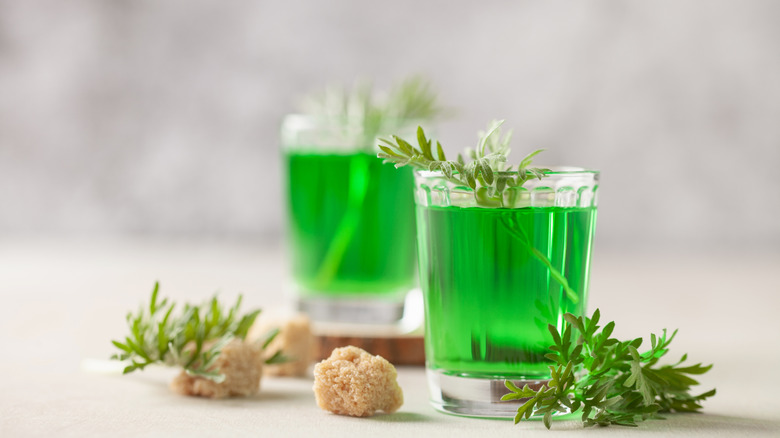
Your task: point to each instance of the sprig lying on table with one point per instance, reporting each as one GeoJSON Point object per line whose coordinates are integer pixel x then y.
{"type": "Point", "coordinates": [609, 380]}
{"type": "Point", "coordinates": [191, 339]}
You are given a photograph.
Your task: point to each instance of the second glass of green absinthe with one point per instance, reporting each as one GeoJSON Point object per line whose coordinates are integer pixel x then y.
{"type": "Point", "coordinates": [351, 224]}
{"type": "Point", "coordinates": [489, 297]}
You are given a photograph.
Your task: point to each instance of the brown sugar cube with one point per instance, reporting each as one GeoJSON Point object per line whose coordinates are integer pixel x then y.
{"type": "Point", "coordinates": [353, 382]}
{"type": "Point", "coordinates": [295, 340]}
{"type": "Point", "coordinates": [241, 363]}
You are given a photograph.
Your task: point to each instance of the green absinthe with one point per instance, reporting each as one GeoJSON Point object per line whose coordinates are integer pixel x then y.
{"type": "Point", "coordinates": [489, 293]}
{"type": "Point", "coordinates": [351, 224]}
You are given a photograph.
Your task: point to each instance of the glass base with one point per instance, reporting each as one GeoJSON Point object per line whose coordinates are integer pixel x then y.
{"type": "Point", "coordinates": [349, 310]}
{"type": "Point", "coordinates": [475, 397]}
{"type": "Point", "coordinates": [365, 317]}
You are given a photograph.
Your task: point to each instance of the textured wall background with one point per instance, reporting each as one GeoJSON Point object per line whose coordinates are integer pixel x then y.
{"type": "Point", "coordinates": [161, 117]}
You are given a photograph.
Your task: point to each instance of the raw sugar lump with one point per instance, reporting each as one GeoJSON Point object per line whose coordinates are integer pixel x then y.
{"type": "Point", "coordinates": [353, 382]}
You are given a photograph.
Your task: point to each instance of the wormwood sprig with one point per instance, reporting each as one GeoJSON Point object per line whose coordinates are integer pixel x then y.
{"type": "Point", "coordinates": [365, 114]}
{"type": "Point", "coordinates": [487, 173]}
{"type": "Point", "coordinates": [191, 339]}
{"type": "Point", "coordinates": [608, 380]}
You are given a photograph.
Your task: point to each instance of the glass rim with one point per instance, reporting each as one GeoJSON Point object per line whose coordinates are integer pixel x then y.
{"type": "Point", "coordinates": [336, 118]}
{"type": "Point", "coordinates": [552, 170]}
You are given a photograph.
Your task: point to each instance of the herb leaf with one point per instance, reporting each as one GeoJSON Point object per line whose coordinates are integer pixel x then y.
{"type": "Point", "coordinates": [609, 380]}
{"type": "Point", "coordinates": [486, 172]}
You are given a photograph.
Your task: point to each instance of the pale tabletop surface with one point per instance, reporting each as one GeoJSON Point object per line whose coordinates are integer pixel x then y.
{"type": "Point", "coordinates": [63, 301]}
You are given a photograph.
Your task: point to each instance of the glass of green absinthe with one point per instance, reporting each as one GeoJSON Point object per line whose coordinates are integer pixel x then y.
{"type": "Point", "coordinates": [503, 253]}
{"type": "Point", "coordinates": [351, 219]}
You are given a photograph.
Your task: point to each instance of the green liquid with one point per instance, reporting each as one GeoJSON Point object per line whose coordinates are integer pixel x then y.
{"type": "Point", "coordinates": [488, 297]}
{"type": "Point", "coordinates": [351, 225]}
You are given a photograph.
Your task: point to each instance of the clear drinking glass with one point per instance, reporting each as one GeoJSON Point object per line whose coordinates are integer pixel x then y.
{"type": "Point", "coordinates": [494, 278]}
{"type": "Point", "coordinates": [351, 222]}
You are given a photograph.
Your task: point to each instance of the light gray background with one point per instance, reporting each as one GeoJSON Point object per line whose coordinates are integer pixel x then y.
{"type": "Point", "coordinates": [161, 117]}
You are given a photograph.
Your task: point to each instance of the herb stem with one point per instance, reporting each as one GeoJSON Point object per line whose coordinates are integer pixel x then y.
{"type": "Point", "coordinates": [520, 235]}
{"type": "Point", "coordinates": [359, 179]}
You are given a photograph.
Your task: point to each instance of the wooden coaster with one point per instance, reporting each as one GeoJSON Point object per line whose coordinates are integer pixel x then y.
{"type": "Point", "coordinates": [398, 350]}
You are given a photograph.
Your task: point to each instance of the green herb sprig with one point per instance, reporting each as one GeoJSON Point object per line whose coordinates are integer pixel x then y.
{"type": "Point", "coordinates": [191, 339]}
{"type": "Point", "coordinates": [487, 173]}
{"type": "Point", "coordinates": [609, 380]}
{"type": "Point", "coordinates": [366, 114]}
